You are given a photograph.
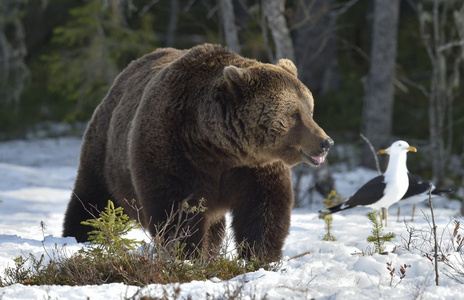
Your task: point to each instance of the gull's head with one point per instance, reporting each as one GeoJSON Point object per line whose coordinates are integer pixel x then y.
{"type": "Point", "coordinates": [397, 148]}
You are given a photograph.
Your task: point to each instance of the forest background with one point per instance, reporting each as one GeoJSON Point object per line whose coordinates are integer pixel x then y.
{"type": "Point", "coordinates": [388, 69]}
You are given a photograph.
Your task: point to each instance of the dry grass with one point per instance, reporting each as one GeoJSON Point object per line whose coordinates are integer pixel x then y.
{"type": "Point", "coordinates": [109, 259]}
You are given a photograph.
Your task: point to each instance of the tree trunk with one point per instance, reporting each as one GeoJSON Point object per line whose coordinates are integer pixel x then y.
{"type": "Point", "coordinates": [118, 11]}
{"type": "Point", "coordinates": [443, 38]}
{"type": "Point", "coordinates": [378, 100]}
{"type": "Point", "coordinates": [230, 28]}
{"type": "Point", "coordinates": [172, 25]}
{"type": "Point", "coordinates": [14, 72]}
{"type": "Point", "coordinates": [316, 45]}
{"type": "Point", "coordinates": [445, 71]}
{"type": "Point", "coordinates": [273, 10]}
{"type": "Point", "coordinates": [317, 63]}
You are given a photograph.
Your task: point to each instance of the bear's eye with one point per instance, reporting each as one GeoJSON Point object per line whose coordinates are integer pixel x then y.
{"type": "Point", "coordinates": [296, 117]}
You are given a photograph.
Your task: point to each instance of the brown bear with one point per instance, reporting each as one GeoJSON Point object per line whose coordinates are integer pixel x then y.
{"type": "Point", "coordinates": [203, 123]}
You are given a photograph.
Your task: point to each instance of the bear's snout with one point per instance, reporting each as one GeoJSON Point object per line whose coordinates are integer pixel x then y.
{"type": "Point", "coordinates": [326, 145]}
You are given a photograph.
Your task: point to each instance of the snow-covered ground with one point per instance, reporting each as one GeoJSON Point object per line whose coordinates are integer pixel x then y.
{"type": "Point", "coordinates": [36, 178]}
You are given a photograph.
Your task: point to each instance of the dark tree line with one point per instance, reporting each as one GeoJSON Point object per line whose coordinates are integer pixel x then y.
{"type": "Point", "coordinates": [385, 68]}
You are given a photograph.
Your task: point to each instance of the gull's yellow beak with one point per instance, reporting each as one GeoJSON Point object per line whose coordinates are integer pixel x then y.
{"type": "Point", "coordinates": [382, 151]}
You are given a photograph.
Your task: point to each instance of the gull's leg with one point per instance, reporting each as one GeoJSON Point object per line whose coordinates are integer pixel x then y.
{"type": "Point", "coordinates": [386, 217]}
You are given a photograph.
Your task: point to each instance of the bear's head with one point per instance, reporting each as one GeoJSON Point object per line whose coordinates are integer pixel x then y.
{"type": "Point", "coordinates": [276, 112]}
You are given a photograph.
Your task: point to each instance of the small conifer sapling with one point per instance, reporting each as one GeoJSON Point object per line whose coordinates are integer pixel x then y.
{"type": "Point", "coordinates": [377, 237]}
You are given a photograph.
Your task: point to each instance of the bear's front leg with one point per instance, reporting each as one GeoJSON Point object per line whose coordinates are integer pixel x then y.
{"type": "Point", "coordinates": [166, 216]}
{"type": "Point", "coordinates": [261, 209]}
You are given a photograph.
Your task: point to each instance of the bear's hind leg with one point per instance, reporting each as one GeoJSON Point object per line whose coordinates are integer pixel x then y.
{"type": "Point", "coordinates": [215, 236]}
{"type": "Point", "coordinates": [88, 199]}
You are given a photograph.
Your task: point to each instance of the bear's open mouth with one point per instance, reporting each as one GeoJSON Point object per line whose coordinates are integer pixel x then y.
{"type": "Point", "coordinates": [316, 160]}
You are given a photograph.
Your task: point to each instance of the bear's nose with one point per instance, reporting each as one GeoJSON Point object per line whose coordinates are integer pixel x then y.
{"type": "Point", "coordinates": [327, 144]}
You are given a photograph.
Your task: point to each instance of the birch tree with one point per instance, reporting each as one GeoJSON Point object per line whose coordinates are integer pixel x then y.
{"type": "Point", "coordinates": [442, 32]}
{"type": "Point", "coordinates": [378, 98]}
{"type": "Point", "coordinates": [316, 45]}
{"type": "Point", "coordinates": [226, 8]}
{"type": "Point", "coordinates": [273, 14]}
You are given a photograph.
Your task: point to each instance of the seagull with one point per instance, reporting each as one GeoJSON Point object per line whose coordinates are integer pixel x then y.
{"type": "Point", "coordinates": [418, 191]}
{"type": "Point", "coordinates": [384, 190]}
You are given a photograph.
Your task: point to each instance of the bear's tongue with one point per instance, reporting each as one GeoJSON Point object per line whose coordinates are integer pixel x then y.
{"type": "Point", "coordinates": [318, 159]}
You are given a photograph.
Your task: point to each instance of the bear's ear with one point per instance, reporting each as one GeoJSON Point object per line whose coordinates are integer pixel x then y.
{"type": "Point", "coordinates": [288, 66]}
{"type": "Point", "coordinates": [237, 78]}
{"type": "Point", "coordinates": [236, 75]}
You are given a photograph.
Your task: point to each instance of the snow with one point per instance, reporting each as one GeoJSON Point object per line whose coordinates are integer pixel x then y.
{"type": "Point", "coordinates": [36, 179]}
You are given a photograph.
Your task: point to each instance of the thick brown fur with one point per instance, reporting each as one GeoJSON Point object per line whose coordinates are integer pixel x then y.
{"type": "Point", "coordinates": [200, 123]}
